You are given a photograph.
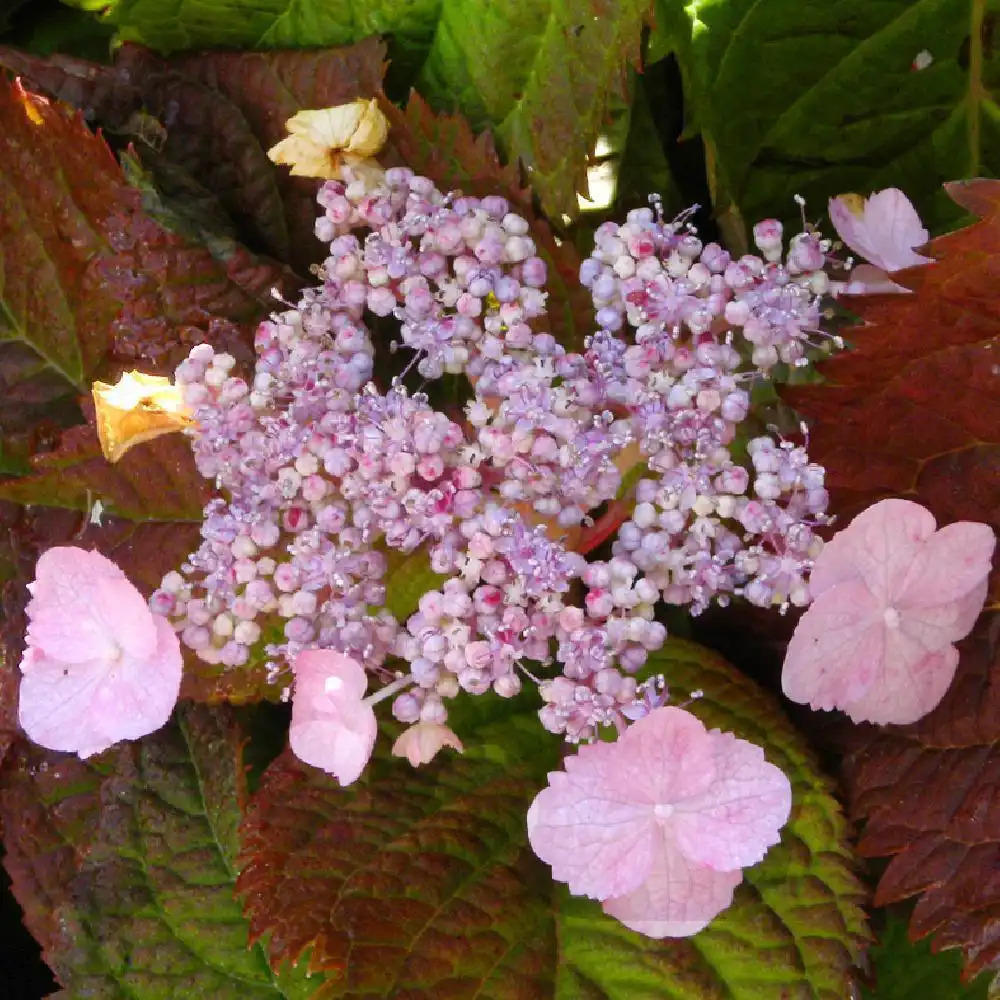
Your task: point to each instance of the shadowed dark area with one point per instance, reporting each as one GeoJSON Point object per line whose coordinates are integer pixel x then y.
{"type": "Point", "coordinates": [25, 976]}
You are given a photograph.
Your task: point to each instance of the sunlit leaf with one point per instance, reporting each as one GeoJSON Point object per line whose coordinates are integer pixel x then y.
{"type": "Point", "coordinates": [817, 99]}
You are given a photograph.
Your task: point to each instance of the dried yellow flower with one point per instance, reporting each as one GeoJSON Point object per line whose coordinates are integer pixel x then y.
{"type": "Point", "coordinates": [321, 142]}
{"type": "Point", "coordinates": [137, 408]}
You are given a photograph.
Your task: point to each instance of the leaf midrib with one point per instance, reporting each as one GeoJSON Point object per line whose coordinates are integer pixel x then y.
{"type": "Point", "coordinates": [224, 857]}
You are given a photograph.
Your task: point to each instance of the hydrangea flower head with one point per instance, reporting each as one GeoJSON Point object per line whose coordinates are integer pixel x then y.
{"type": "Point", "coordinates": [321, 142]}
{"type": "Point", "coordinates": [99, 667]}
{"type": "Point", "coordinates": [333, 728]}
{"type": "Point", "coordinates": [890, 597]}
{"type": "Point", "coordinates": [659, 824]}
{"type": "Point", "coordinates": [882, 229]}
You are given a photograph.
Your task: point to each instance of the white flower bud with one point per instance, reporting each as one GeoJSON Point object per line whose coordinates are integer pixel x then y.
{"type": "Point", "coordinates": [223, 625]}
{"type": "Point", "coordinates": [247, 633]}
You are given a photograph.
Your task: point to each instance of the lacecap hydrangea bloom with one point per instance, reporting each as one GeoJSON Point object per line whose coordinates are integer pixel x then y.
{"type": "Point", "coordinates": [326, 474]}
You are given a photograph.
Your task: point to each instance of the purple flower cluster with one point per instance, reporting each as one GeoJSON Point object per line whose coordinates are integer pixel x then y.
{"type": "Point", "coordinates": [325, 475]}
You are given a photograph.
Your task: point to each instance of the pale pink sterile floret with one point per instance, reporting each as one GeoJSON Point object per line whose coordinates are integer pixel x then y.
{"type": "Point", "coordinates": [333, 727]}
{"type": "Point", "coordinates": [99, 666]}
{"type": "Point", "coordinates": [420, 743]}
{"type": "Point", "coordinates": [659, 824]}
{"type": "Point", "coordinates": [883, 229]}
{"type": "Point", "coordinates": [891, 595]}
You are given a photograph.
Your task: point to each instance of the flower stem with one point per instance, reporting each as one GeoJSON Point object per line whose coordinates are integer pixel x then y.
{"type": "Point", "coordinates": [390, 689]}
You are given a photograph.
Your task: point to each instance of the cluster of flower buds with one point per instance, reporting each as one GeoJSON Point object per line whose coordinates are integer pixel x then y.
{"type": "Point", "coordinates": [327, 478]}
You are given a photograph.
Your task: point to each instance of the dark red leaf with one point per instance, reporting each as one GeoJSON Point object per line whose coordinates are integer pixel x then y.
{"type": "Point", "coordinates": [58, 187]}
{"type": "Point", "coordinates": [409, 884]}
{"type": "Point", "coordinates": [49, 813]}
{"type": "Point", "coordinates": [913, 410]}
{"type": "Point", "coordinates": [155, 481]}
{"type": "Point", "coordinates": [930, 796]}
{"type": "Point", "coordinates": [213, 116]}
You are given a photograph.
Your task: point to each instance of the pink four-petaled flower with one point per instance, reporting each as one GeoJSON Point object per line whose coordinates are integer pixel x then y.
{"type": "Point", "coordinates": [890, 597]}
{"type": "Point", "coordinates": [659, 824]}
{"type": "Point", "coordinates": [99, 666]}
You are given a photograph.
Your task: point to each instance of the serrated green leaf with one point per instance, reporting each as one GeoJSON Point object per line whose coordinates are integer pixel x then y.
{"type": "Point", "coordinates": [818, 99]}
{"type": "Point", "coordinates": [904, 970]}
{"type": "Point", "coordinates": [125, 868]}
{"type": "Point", "coordinates": [411, 883]}
{"type": "Point", "coordinates": [539, 73]}
{"type": "Point", "coordinates": [371, 877]}
{"type": "Point", "coordinates": [796, 926]}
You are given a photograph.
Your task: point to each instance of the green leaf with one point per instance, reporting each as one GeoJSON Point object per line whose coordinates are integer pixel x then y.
{"type": "Point", "coordinates": [50, 27]}
{"type": "Point", "coordinates": [539, 73]}
{"type": "Point", "coordinates": [125, 868]}
{"type": "Point", "coordinates": [644, 168]}
{"type": "Point", "coordinates": [412, 882]}
{"type": "Point", "coordinates": [819, 99]}
{"type": "Point", "coordinates": [796, 927]}
{"type": "Point", "coordinates": [377, 874]}
{"type": "Point", "coordinates": [907, 971]}
{"type": "Point", "coordinates": [408, 578]}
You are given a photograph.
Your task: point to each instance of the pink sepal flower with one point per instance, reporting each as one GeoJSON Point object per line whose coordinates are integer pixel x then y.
{"type": "Point", "coordinates": [659, 824]}
{"type": "Point", "coordinates": [333, 728]}
{"type": "Point", "coordinates": [882, 229]}
{"type": "Point", "coordinates": [890, 597]}
{"type": "Point", "coordinates": [420, 743]}
{"type": "Point", "coordinates": [99, 666]}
